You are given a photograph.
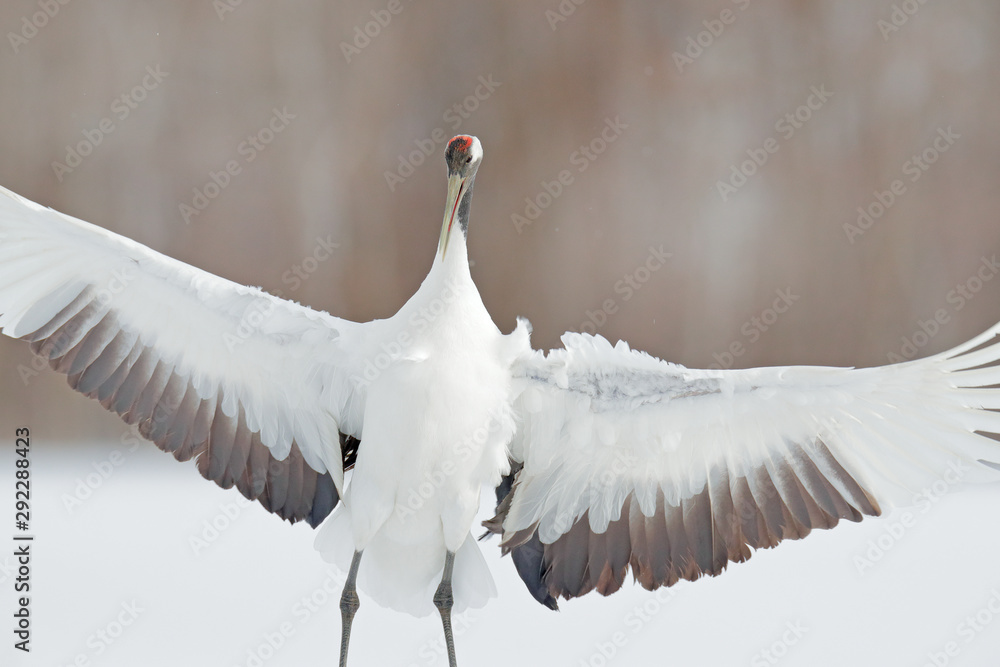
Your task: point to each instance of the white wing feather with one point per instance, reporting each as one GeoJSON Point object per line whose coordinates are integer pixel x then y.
{"type": "Point", "coordinates": [280, 367]}
{"type": "Point", "coordinates": [601, 423]}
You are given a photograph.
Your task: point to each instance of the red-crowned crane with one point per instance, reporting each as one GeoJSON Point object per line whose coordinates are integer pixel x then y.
{"type": "Point", "coordinates": [604, 459]}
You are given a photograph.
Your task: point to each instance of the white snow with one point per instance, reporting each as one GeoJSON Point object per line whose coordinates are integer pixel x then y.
{"type": "Point", "coordinates": [125, 555]}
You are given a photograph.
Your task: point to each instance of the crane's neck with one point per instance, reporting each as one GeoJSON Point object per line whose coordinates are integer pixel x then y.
{"type": "Point", "coordinates": [455, 225]}
{"type": "Point", "coordinates": [447, 309]}
{"type": "Point", "coordinates": [450, 273]}
{"type": "Point", "coordinates": [451, 264]}
{"type": "Point", "coordinates": [452, 260]}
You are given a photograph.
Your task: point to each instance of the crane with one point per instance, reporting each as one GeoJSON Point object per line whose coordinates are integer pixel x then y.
{"type": "Point", "coordinates": [605, 460]}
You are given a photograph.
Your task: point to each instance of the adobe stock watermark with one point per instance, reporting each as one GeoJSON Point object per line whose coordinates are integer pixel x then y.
{"type": "Point", "coordinates": [625, 288]}
{"type": "Point", "coordinates": [913, 169]}
{"type": "Point", "coordinates": [99, 641]}
{"type": "Point", "coordinates": [223, 7]}
{"type": "Point", "coordinates": [897, 528]}
{"type": "Point", "coordinates": [248, 150]}
{"type": "Point", "coordinates": [786, 127]}
{"type": "Point", "coordinates": [623, 465]}
{"type": "Point", "coordinates": [366, 32]}
{"type": "Point", "coordinates": [746, 512]}
{"type": "Point", "coordinates": [212, 529]}
{"type": "Point", "coordinates": [395, 350]}
{"type": "Point", "coordinates": [956, 298]}
{"type": "Point", "coordinates": [269, 644]}
{"type": "Point", "coordinates": [299, 273]}
{"type": "Point", "coordinates": [433, 650]}
{"type": "Point", "coordinates": [8, 568]}
{"type": "Point", "coordinates": [454, 116]}
{"type": "Point", "coordinates": [302, 611]}
{"type": "Point", "coordinates": [309, 605]}
{"type": "Point", "coordinates": [696, 45]}
{"type": "Point", "coordinates": [753, 328]}
{"type": "Point", "coordinates": [30, 25]}
{"type": "Point", "coordinates": [121, 108]}
{"type": "Point", "coordinates": [899, 16]}
{"type": "Point", "coordinates": [152, 427]}
{"type": "Point", "coordinates": [260, 310]}
{"type": "Point", "coordinates": [635, 621]}
{"type": "Point", "coordinates": [85, 487]}
{"type": "Point", "coordinates": [780, 647]}
{"type": "Point", "coordinates": [562, 12]}
{"type": "Point", "coordinates": [581, 159]}
{"type": "Point", "coordinates": [972, 626]}
{"type": "Point", "coordinates": [434, 480]}
{"type": "Point", "coordinates": [116, 284]}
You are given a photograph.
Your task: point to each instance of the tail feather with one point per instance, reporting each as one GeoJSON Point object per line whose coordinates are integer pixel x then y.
{"type": "Point", "coordinates": [404, 576]}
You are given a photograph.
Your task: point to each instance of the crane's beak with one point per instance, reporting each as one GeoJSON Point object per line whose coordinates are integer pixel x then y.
{"type": "Point", "coordinates": [456, 188]}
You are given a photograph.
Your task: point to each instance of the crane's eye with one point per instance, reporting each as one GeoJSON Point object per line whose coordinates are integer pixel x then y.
{"type": "Point", "coordinates": [468, 159]}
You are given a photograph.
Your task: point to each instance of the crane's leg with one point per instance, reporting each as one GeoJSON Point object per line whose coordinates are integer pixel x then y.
{"type": "Point", "coordinates": [349, 604]}
{"type": "Point", "coordinates": [443, 600]}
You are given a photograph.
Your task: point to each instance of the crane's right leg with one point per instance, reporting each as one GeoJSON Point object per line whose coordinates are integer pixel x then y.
{"type": "Point", "coordinates": [349, 604]}
{"type": "Point", "coordinates": [444, 600]}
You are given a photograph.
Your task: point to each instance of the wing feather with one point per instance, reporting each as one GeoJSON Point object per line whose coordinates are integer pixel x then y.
{"type": "Point", "coordinates": [677, 472]}
{"type": "Point", "coordinates": [255, 387]}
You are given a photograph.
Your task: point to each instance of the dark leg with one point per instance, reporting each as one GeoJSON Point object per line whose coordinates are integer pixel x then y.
{"type": "Point", "coordinates": [444, 600]}
{"type": "Point", "coordinates": [349, 604]}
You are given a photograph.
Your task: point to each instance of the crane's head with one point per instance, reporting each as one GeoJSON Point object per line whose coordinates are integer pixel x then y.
{"type": "Point", "coordinates": [463, 155]}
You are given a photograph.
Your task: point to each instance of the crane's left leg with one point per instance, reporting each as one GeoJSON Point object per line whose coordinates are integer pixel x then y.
{"type": "Point", "coordinates": [443, 600]}
{"type": "Point", "coordinates": [349, 604]}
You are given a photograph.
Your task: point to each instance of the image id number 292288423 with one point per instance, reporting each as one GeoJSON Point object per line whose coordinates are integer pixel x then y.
{"type": "Point", "coordinates": [22, 540]}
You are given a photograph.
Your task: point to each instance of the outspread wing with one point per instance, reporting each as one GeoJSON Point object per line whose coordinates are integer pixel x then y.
{"type": "Point", "coordinates": [256, 387]}
{"type": "Point", "coordinates": [629, 461]}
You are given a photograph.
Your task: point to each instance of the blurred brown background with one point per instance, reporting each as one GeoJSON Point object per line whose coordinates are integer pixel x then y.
{"type": "Point", "coordinates": [223, 73]}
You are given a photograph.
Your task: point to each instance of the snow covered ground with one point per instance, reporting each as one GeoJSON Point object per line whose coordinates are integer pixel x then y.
{"type": "Point", "coordinates": [159, 567]}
